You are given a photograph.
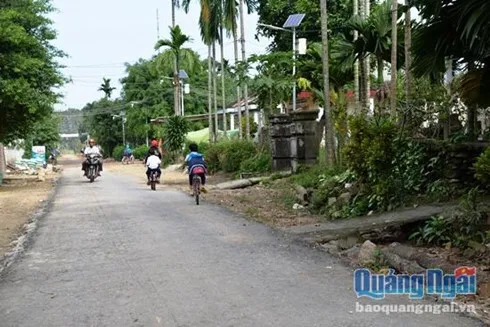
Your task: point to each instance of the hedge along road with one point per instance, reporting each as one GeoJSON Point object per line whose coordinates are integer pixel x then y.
{"type": "Point", "coordinates": [114, 253]}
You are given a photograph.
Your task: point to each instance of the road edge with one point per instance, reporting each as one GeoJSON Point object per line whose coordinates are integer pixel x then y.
{"type": "Point", "coordinates": [23, 242]}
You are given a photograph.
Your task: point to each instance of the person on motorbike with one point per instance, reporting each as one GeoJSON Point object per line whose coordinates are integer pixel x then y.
{"type": "Point", "coordinates": [91, 149]}
{"type": "Point", "coordinates": [153, 163]}
{"type": "Point", "coordinates": [195, 159]}
{"type": "Point", "coordinates": [128, 152]}
{"type": "Point", "coordinates": [53, 154]}
{"type": "Point", "coordinates": [154, 151]}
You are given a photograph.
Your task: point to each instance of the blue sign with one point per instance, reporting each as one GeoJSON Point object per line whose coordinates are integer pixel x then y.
{"type": "Point", "coordinates": [433, 282]}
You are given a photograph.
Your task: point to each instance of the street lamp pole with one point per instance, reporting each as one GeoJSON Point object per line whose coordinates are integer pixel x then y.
{"type": "Point", "coordinates": [294, 68]}
{"type": "Point", "coordinates": [292, 22]}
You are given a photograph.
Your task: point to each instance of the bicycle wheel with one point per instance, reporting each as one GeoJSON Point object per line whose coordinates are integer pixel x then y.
{"type": "Point", "coordinates": [197, 188]}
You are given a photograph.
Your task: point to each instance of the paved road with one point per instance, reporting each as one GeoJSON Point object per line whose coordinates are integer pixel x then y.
{"type": "Point", "coordinates": [113, 253]}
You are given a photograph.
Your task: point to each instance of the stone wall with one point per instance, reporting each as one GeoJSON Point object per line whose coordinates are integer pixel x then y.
{"type": "Point", "coordinates": [457, 159]}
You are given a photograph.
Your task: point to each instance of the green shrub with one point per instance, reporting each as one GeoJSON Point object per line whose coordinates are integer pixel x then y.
{"type": "Point", "coordinates": [389, 166]}
{"type": "Point", "coordinates": [140, 152]}
{"type": "Point", "coordinates": [482, 167]}
{"type": "Point", "coordinates": [228, 155]}
{"type": "Point", "coordinates": [175, 130]}
{"type": "Point", "coordinates": [118, 152]}
{"type": "Point", "coordinates": [260, 163]}
{"type": "Point", "coordinates": [235, 152]}
{"type": "Point", "coordinates": [212, 156]}
{"type": "Point", "coordinates": [254, 127]}
{"type": "Point", "coordinates": [459, 229]}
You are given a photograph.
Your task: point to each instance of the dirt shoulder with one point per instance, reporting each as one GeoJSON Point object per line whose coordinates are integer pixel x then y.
{"type": "Point", "coordinates": [19, 200]}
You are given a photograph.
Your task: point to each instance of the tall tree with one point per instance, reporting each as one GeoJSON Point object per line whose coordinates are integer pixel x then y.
{"type": "Point", "coordinates": [356, 62]}
{"type": "Point", "coordinates": [222, 64]}
{"type": "Point", "coordinates": [329, 133]}
{"type": "Point", "coordinates": [175, 44]}
{"type": "Point", "coordinates": [244, 58]}
{"type": "Point", "coordinates": [29, 72]}
{"type": "Point", "coordinates": [231, 15]}
{"type": "Point", "coordinates": [394, 45]}
{"type": "Point", "coordinates": [209, 22]}
{"type": "Point", "coordinates": [367, 61]}
{"type": "Point", "coordinates": [106, 87]}
{"type": "Point", "coordinates": [408, 49]}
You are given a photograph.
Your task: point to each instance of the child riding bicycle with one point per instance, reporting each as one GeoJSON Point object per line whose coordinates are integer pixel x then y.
{"type": "Point", "coordinates": [195, 163]}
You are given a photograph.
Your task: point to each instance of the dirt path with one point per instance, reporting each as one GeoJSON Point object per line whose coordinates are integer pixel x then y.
{"type": "Point", "coordinates": [19, 200]}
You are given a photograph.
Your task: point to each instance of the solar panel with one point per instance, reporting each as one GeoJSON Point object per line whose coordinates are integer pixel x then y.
{"type": "Point", "coordinates": [183, 74]}
{"type": "Point", "coordinates": [294, 20]}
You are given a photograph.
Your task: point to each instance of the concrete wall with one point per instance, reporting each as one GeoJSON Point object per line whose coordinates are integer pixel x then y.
{"type": "Point", "coordinates": [13, 155]}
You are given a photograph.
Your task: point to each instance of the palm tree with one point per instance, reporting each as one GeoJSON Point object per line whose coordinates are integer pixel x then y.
{"type": "Point", "coordinates": [394, 30]}
{"type": "Point", "coordinates": [458, 32]}
{"type": "Point", "coordinates": [232, 12]}
{"type": "Point", "coordinates": [222, 65]}
{"type": "Point", "coordinates": [209, 22]}
{"type": "Point", "coordinates": [106, 87]}
{"type": "Point", "coordinates": [175, 43]}
{"type": "Point", "coordinates": [244, 58]}
{"type": "Point", "coordinates": [356, 62]}
{"type": "Point", "coordinates": [408, 49]}
{"type": "Point", "coordinates": [329, 135]}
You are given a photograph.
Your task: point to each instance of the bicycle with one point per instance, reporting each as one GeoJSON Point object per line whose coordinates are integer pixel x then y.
{"type": "Point", "coordinates": [127, 160]}
{"type": "Point", "coordinates": [196, 182]}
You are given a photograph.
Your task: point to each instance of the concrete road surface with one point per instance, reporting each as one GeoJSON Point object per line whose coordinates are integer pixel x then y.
{"type": "Point", "coordinates": [114, 253]}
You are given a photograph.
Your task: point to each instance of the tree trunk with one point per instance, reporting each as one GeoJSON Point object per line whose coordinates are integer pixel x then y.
{"type": "Point", "coordinates": [394, 44]}
{"type": "Point", "coordinates": [362, 66]}
{"type": "Point", "coordinates": [408, 51]}
{"type": "Point", "coordinates": [244, 58]}
{"type": "Point", "coordinates": [362, 87]}
{"type": "Point", "coordinates": [238, 93]}
{"type": "Point", "coordinates": [223, 94]}
{"type": "Point", "coordinates": [210, 96]}
{"type": "Point", "coordinates": [215, 90]}
{"type": "Point", "coordinates": [2, 162]}
{"type": "Point", "coordinates": [448, 78]}
{"type": "Point", "coordinates": [356, 65]}
{"type": "Point", "coordinates": [329, 133]}
{"type": "Point", "coordinates": [367, 64]}
{"type": "Point", "coordinates": [173, 12]}
{"type": "Point", "coordinates": [381, 81]}
{"type": "Point", "coordinates": [176, 72]}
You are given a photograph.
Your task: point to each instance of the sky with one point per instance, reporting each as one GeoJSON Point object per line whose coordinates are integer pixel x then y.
{"type": "Point", "coordinates": [100, 36]}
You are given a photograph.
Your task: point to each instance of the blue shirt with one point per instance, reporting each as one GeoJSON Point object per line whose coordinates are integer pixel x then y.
{"type": "Point", "coordinates": [195, 159]}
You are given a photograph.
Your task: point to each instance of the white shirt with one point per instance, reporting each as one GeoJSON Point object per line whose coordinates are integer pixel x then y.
{"type": "Point", "coordinates": [92, 150]}
{"type": "Point", "coordinates": [153, 162]}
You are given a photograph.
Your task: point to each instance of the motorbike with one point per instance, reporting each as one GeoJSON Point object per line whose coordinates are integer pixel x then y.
{"type": "Point", "coordinates": [153, 179]}
{"type": "Point", "coordinates": [52, 160]}
{"type": "Point", "coordinates": [92, 169]}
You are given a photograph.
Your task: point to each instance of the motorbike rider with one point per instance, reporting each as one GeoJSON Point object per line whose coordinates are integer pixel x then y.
{"type": "Point", "coordinates": [154, 150]}
{"type": "Point", "coordinates": [195, 159]}
{"type": "Point", "coordinates": [128, 152]}
{"type": "Point", "coordinates": [91, 149]}
{"type": "Point", "coordinates": [153, 163]}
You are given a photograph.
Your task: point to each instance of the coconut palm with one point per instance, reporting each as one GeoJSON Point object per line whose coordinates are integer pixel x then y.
{"type": "Point", "coordinates": [232, 12]}
{"type": "Point", "coordinates": [329, 135]}
{"type": "Point", "coordinates": [106, 87]}
{"type": "Point", "coordinates": [457, 30]}
{"type": "Point", "coordinates": [175, 44]}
